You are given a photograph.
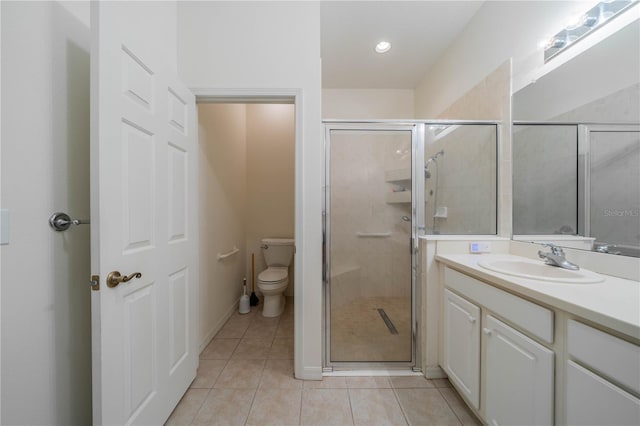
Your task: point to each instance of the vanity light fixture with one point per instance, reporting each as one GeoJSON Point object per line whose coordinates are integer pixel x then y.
{"type": "Point", "coordinates": [383, 47]}
{"type": "Point", "coordinates": [580, 26]}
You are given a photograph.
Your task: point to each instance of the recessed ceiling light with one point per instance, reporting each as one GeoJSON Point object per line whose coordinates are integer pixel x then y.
{"type": "Point", "coordinates": [383, 47]}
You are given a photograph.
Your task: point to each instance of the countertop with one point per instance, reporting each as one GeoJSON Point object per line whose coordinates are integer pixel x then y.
{"type": "Point", "coordinates": [613, 303]}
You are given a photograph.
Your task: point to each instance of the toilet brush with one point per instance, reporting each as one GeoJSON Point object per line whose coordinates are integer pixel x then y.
{"type": "Point", "coordinates": [254, 299]}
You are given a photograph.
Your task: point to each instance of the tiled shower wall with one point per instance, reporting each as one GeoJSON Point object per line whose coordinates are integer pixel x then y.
{"type": "Point", "coordinates": [360, 265]}
{"type": "Point", "coordinates": [466, 181]}
{"type": "Point", "coordinates": [488, 100]}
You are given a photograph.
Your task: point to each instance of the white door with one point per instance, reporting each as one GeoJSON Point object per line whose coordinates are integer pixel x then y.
{"type": "Point", "coordinates": [143, 215]}
{"type": "Point", "coordinates": [462, 345]}
{"type": "Point", "coordinates": [519, 378]}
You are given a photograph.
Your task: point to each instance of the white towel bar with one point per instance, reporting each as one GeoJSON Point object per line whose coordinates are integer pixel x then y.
{"type": "Point", "coordinates": [373, 234]}
{"type": "Point", "coordinates": [228, 254]}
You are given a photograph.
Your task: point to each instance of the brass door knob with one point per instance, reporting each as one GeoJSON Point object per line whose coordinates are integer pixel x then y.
{"type": "Point", "coordinates": [114, 278]}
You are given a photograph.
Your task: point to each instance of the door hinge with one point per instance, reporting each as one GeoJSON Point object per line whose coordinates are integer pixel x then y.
{"type": "Point", "coordinates": [95, 282]}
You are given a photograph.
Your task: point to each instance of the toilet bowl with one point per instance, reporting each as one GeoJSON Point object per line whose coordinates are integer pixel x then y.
{"type": "Point", "coordinates": [273, 281]}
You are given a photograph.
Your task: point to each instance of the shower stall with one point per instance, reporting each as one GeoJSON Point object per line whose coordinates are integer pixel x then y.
{"type": "Point", "coordinates": [383, 180]}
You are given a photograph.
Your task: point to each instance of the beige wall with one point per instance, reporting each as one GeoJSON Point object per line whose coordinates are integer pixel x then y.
{"type": "Point", "coordinates": [223, 207]}
{"type": "Point", "coordinates": [367, 103]}
{"type": "Point", "coordinates": [270, 179]}
{"type": "Point", "coordinates": [499, 30]}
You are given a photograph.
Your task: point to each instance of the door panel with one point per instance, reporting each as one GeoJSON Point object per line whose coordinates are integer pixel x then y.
{"type": "Point", "coordinates": [461, 350]}
{"type": "Point", "coordinates": [519, 377]}
{"type": "Point", "coordinates": [369, 228]}
{"type": "Point", "coordinates": [143, 189]}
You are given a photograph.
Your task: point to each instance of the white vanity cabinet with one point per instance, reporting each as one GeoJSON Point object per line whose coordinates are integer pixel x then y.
{"type": "Point", "coordinates": [506, 375]}
{"type": "Point", "coordinates": [462, 345]}
{"type": "Point", "coordinates": [518, 379]}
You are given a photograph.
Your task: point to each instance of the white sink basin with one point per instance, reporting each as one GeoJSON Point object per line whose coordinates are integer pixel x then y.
{"type": "Point", "coordinates": [540, 271]}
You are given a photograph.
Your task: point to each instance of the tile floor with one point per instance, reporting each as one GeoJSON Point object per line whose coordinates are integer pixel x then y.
{"type": "Point", "coordinates": [246, 378]}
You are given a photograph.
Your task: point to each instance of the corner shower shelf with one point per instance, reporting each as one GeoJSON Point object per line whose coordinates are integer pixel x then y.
{"type": "Point", "coordinates": [398, 197]}
{"type": "Point", "coordinates": [397, 175]}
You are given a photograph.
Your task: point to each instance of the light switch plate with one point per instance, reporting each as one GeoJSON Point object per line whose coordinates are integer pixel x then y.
{"type": "Point", "coordinates": [4, 226]}
{"type": "Point", "coordinates": [480, 247]}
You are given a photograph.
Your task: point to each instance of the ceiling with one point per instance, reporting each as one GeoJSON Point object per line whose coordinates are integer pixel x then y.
{"type": "Point", "coordinates": [419, 32]}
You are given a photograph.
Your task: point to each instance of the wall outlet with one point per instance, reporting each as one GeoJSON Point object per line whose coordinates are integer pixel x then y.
{"type": "Point", "coordinates": [479, 247]}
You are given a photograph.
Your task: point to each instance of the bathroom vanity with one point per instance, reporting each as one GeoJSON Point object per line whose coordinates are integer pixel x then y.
{"type": "Point", "coordinates": [559, 349]}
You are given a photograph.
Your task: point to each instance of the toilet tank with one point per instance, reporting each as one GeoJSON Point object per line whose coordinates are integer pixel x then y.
{"type": "Point", "coordinates": [279, 251]}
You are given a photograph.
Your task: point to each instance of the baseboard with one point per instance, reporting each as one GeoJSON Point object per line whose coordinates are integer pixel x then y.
{"type": "Point", "coordinates": [214, 330]}
{"type": "Point", "coordinates": [310, 373]}
{"type": "Point", "coordinates": [435, 372]}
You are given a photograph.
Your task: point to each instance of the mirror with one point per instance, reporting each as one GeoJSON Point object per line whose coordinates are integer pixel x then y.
{"type": "Point", "coordinates": [576, 150]}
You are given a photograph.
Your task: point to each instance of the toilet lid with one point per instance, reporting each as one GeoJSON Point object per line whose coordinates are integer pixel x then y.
{"type": "Point", "coordinates": [272, 275]}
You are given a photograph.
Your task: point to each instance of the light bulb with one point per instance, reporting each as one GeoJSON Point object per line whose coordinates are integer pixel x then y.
{"type": "Point", "coordinates": [383, 47]}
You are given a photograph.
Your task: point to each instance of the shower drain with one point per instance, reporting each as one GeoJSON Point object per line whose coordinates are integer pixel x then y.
{"type": "Point", "coordinates": [392, 328]}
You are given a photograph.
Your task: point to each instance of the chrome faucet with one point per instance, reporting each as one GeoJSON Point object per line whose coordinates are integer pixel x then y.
{"type": "Point", "coordinates": [556, 258]}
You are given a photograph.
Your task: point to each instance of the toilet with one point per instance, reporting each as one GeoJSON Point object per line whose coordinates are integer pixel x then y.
{"type": "Point", "coordinates": [273, 281]}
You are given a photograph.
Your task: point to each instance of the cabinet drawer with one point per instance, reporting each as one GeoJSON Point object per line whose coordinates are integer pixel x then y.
{"type": "Point", "coordinates": [613, 357]}
{"type": "Point", "coordinates": [531, 317]}
{"type": "Point", "coordinates": [591, 400]}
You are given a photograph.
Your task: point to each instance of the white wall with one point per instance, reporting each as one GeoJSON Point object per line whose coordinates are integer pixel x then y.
{"type": "Point", "coordinates": [367, 104]}
{"type": "Point", "coordinates": [499, 30]}
{"type": "Point", "coordinates": [46, 324]}
{"type": "Point", "coordinates": [222, 213]}
{"type": "Point", "coordinates": [270, 179]}
{"type": "Point", "coordinates": [271, 45]}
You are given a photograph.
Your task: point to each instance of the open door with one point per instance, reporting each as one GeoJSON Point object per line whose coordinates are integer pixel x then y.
{"type": "Point", "coordinates": [143, 215]}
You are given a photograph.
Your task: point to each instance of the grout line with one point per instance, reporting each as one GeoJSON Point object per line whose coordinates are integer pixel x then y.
{"type": "Point", "coordinates": [404, 414]}
{"type": "Point", "coordinates": [450, 407]}
{"type": "Point", "coordinates": [301, 402]}
{"type": "Point", "coordinates": [195, 416]}
{"type": "Point", "coordinates": [255, 391]}
{"type": "Point", "coordinates": [353, 419]}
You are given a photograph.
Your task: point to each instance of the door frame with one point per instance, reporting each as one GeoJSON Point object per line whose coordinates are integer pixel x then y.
{"type": "Point", "coordinates": [276, 96]}
{"type": "Point", "coordinates": [417, 229]}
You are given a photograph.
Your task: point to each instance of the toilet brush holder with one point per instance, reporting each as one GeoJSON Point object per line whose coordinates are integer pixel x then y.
{"type": "Point", "coordinates": [244, 304]}
{"type": "Point", "coordinates": [244, 307]}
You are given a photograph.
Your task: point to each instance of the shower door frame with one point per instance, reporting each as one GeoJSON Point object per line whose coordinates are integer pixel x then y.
{"type": "Point", "coordinates": [417, 229]}
{"type": "Point", "coordinates": [584, 168]}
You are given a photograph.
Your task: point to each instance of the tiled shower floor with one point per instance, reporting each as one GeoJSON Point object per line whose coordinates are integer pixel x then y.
{"type": "Point", "coordinates": [246, 378]}
{"type": "Point", "coordinates": [358, 333]}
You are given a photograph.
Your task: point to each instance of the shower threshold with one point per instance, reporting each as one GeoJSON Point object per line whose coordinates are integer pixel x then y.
{"type": "Point", "coordinates": [373, 373]}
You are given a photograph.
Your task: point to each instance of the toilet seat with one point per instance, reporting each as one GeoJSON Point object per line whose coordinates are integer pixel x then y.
{"type": "Point", "coordinates": [272, 276]}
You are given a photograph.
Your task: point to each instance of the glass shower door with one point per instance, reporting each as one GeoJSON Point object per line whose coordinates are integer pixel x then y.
{"type": "Point", "coordinates": [369, 260]}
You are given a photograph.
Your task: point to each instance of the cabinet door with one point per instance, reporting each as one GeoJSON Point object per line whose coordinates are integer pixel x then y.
{"type": "Point", "coordinates": [519, 377]}
{"type": "Point", "coordinates": [591, 400]}
{"type": "Point", "coordinates": [462, 345]}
